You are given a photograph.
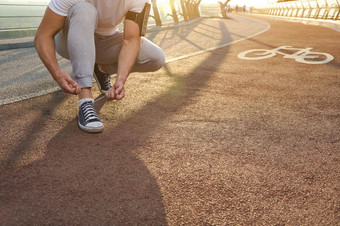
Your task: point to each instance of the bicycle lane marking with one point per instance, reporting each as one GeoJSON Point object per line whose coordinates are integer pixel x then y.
{"type": "Point", "coordinates": [310, 50]}
{"type": "Point", "coordinates": [300, 56]}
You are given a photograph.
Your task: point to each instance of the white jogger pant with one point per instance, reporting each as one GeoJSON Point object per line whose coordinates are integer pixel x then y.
{"type": "Point", "coordinates": [78, 43]}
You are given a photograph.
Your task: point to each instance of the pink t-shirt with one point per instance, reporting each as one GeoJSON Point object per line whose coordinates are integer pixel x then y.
{"type": "Point", "coordinates": [110, 12]}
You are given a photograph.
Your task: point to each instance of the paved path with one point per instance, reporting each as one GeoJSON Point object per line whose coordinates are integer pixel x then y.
{"type": "Point", "coordinates": [209, 139]}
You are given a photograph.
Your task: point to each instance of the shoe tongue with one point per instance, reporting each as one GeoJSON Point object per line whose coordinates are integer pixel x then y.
{"type": "Point", "coordinates": [80, 102]}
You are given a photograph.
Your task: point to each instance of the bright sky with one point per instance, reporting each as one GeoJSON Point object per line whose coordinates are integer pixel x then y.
{"type": "Point", "coordinates": [241, 2]}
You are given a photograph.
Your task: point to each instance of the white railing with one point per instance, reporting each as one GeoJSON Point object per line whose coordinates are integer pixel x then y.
{"type": "Point", "coordinates": [316, 9]}
{"type": "Point", "coordinates": [20, 19]}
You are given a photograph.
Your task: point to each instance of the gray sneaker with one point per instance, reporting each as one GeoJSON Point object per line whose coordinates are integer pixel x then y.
{"type": "Point", "coordinates": [88, 119]}
{"type": "Point", "coordinates": [102, 79]}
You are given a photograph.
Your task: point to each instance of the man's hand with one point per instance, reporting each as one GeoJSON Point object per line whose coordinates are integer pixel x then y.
{"type": "Point", "coordinates": [126, 60]}
{"type": "Point", "coordinates": [117, 91]}
{"type": "Point", "coordinates": [68, 85]}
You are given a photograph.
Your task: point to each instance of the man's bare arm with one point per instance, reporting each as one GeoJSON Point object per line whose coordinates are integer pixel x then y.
{"type": "Point", "coordinates": [127, 58]}
{"type": "Point", "coordinates": [50, 25]}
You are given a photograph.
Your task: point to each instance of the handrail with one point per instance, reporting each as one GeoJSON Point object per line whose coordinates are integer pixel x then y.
{"type": "Point", "coordinates": [325, 9]}
{"type": "Point", "coordinates": [13, 21]}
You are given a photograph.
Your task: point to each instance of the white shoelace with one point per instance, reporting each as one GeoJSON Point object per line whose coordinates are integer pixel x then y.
{"type": "Point", "coordinates": [89, 112]}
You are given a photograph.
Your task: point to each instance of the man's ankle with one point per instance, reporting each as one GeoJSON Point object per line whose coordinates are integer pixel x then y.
{"type": "Point", "coordinates": [85, 93]}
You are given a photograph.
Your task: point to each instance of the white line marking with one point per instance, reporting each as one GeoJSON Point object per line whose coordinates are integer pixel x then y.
{"type": "Point", "coordinates": [221, 46]}
{"type": "Point", "coordinates": [29, 95]}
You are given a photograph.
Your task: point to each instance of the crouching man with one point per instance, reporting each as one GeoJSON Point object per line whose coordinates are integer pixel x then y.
{"type": "Point", "coordinates": [86, 33]}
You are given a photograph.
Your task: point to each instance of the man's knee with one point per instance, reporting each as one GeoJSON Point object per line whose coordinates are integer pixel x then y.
{"type": "Point", "coordinates": [157, 60]}
{"type": "Point", "coordinates": [151, 57]}
{"type": "Point", "coordinates": [84, 11]}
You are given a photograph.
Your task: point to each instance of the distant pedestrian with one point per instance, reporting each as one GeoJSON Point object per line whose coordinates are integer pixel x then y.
{"type": "Point", "coordinates": [224, 9]}
{"type": "Point", "coordinates": [86, 33]}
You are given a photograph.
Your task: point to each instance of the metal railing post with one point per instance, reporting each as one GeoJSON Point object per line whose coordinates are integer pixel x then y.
{"type": "Point", "coordinates": [173, 10]}
{"type": "Point", "coordinates": [338, 13]}
{"type": "Point", "coordinates": [297, 9]}
{"type": "Point", "coordinates": [197, 3]}
{"type": "Point", "coordinates": [292, 11]}
{"type": "Point", "coordinates": [317, 11]}
{"type": "Point", "coordinates": [303, 9]}
{"type": "Point", "coordinates": [310, 9]}
{"type": "Point", "coordinates": [286, 10]}
{"type": "Point", "coordinates": [156, 13]}
{"type": "Point", "coordinates": [184, 10]}
{"type": "Point", "coordinates": [328, 8]}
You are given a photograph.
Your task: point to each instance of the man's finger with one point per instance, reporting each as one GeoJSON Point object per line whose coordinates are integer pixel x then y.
{"type": "Point", "coordinates": [78, 89]}
{"type": "Point", "coordinates": [110, 94]}
{"type": "Point", "coordinates": [69, 90]}
{"type": "Point", "coordinates": [120, 95]}
{"type": "Point", "coordinates": [70, 86]}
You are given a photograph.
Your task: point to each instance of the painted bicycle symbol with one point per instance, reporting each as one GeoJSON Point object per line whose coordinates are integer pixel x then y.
{"type": "Point", "coordinates": [305, 56]}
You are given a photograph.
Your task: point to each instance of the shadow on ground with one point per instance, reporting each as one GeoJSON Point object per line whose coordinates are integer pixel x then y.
{"type": "Point", "coordinates": [95, 178]}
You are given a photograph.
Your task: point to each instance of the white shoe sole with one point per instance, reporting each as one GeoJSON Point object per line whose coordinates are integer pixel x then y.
{"type": "Point", "coordinates": [91, 129]}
